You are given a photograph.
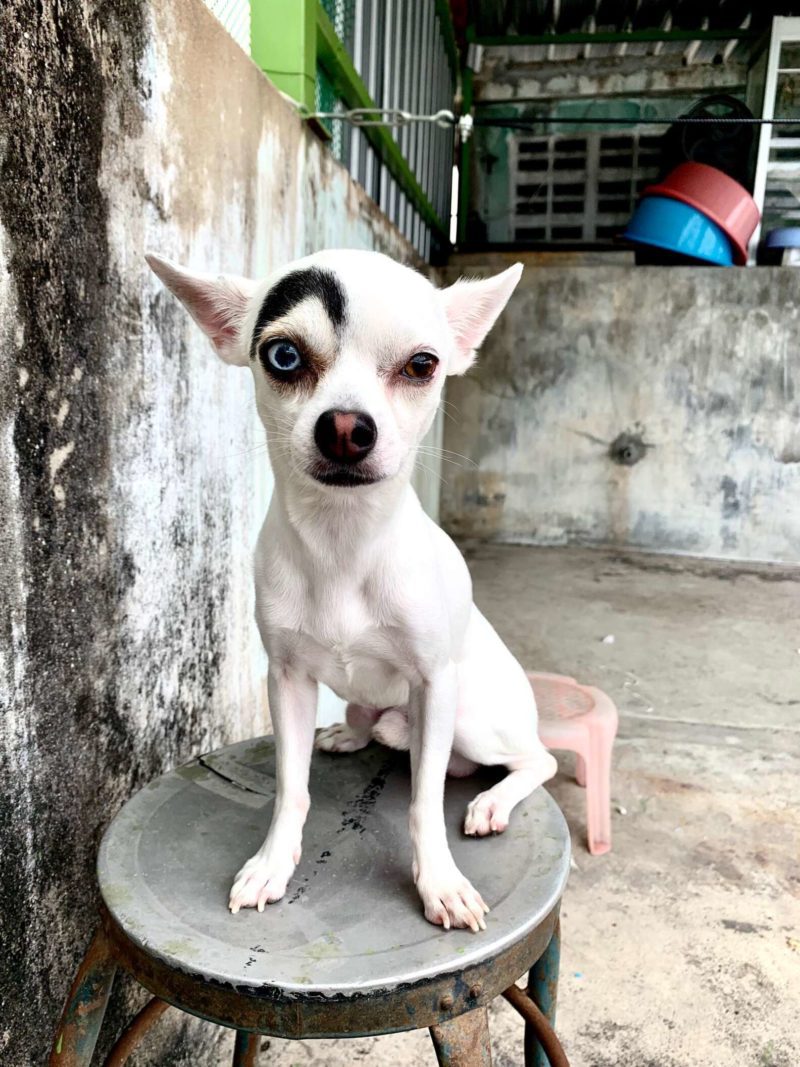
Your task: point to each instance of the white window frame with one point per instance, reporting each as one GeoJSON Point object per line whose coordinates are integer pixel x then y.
{"type": "Point", "coordinates": [784, 31]}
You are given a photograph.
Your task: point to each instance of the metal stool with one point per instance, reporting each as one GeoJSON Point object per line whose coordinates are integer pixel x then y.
{"type": "Point", "coordinates": [347, 952]}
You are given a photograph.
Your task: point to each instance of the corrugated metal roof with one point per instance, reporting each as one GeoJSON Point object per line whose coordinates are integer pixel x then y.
{"type": "Point", "coordinates": [501, 21]}
{"type": "Point", "coordinates": [495, 17]}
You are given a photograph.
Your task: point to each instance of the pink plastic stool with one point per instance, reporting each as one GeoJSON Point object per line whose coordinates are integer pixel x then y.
{"type": "Point", "coordinates": [584, 720]}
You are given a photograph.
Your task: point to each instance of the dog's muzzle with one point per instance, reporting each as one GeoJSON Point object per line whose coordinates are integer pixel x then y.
{"type": "Point", "coordinates": [344, 440]}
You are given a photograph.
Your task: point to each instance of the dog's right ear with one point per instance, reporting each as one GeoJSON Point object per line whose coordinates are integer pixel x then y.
{"type": "Point", "coordinates": [472, 306]}
{"type": "Point", "coordinates": [217, 304]}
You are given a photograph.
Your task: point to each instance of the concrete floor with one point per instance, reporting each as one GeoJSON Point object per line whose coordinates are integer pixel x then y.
{"type": "Point", "coordinates": [681, 947]}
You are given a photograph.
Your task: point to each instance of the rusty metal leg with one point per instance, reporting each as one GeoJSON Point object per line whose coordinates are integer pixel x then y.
{"type": "Point", "coordinates": [83, 1014]}
{"type": "Point", "coordinates": [128, 1041]}
{"type": "Point", "coordinates": [543, 991]}
{"type": "Point", "coordinates": [245, 1051]}
{"type": "Point", "coordinates": [464, 1041]}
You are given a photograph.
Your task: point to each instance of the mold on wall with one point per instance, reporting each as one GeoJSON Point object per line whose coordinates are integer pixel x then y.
{"type": "Point", "coordinates": [133, 476]}
{"type": "Point", "coordinates": [650, 407]}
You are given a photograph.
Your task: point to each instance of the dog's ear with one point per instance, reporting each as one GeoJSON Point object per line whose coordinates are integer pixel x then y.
{"type": "Point", "coordinates": [472, 307]}
{"type": "Point", "coordinates": [217, 304]}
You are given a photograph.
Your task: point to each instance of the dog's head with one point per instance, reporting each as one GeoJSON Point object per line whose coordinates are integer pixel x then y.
{"type": "Point", "coordinates": [349, 351]}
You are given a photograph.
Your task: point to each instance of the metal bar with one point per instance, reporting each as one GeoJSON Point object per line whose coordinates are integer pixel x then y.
{"type": "Point", "coordinates": [613, 37]}
{"type": "Point", "coordinates": [463, 1041]}
{"type": "Point", "coordinates": [437, 134]}
{"type": "Point", "coordinates": [405, 132]}
{"type": "Point", "coordinates": [85, 1007]}
{"type": "Point", "coordinates": [543, 993]}
{"type": "Point", "coordinates": [552, 120]}
{"type": "Point", "coordinates": [395, 44]}
{"type": "Point", "coordinates": [386, 96]}
{"type": "Point", "coordinates": [370, 80]}
{"type": "Point", "coordinates": [423, 166]}
{"type": "Point", "coordinates": [465, 161]}
{"type": "Point", "coordinates": [127, 1043]}
{"type": "Point", "coordinates": [350, 87]}
{"type": "Point", "coordinates": [356, 146]}
{"type": "Point", "coordinates": [414, 86]}
{"type": "Point", "coordinates": [554, 1055]}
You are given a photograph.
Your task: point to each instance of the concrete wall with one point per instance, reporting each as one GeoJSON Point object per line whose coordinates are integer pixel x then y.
{"type": "Point", "coordinates": [132, 472]}
{"type": "Point", "coordinates": [521, 74]}
{"type": "Point", "coordinates": [697, 366]}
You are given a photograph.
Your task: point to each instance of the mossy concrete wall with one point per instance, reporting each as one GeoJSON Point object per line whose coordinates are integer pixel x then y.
{"type": "Point", "coordinates": [132, 472]}
{"type": "Point", "coordinates": [649, 407]}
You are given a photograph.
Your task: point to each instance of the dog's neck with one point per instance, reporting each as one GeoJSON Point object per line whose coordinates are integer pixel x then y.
{"type": "Point", "coordinates": [331, 521]}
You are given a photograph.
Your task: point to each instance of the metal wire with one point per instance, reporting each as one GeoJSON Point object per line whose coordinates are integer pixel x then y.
{"type": "Point", "coordinates": [527, 124]}
{"type": "Point", "coordinates": [384, 116]}
{"type": "Point", "coordinates": [378, 116]}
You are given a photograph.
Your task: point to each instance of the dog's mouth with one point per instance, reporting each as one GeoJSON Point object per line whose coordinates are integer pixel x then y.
{"type": "Point", "coordinates": [342, 475]}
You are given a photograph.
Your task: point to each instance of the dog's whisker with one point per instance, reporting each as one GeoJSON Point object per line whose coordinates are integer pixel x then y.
{"type": "Point", "coordinates": [433, 473]}
{"type": "Point", "coordinates": [434, 453]}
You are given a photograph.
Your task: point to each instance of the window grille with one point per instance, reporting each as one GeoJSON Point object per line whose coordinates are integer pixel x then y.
{"type": "Point", "coordinates": [235, 17]}
{"type": "Point", "coordinates": [399, 51]}
{"type": "Point", "coordinates": [579, 189]}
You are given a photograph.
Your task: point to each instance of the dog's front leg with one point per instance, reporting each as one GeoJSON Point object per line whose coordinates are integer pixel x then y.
{"type": "Point", "coordinates": [447, 896]}
{"type": "Point", "coordinates": [293, 707]}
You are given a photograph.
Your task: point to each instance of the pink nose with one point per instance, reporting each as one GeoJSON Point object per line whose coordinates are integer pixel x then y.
{"type": "Point", "coordinates": [345, 436]}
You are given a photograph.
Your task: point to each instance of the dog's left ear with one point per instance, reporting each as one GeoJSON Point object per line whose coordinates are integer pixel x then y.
{"type": "Point", "coordinates": [472, 308]}
{"type": "Point", "coordinates": [218, 304]}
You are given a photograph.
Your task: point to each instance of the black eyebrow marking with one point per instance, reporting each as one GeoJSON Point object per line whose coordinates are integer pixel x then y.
{"type": "Point", "coordinates": [295, 287]}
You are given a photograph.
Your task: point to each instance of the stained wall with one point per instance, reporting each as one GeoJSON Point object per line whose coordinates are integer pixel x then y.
{"type": "Point", "coordinates": [651, 407]}
{"type": "Point", "coordinates": [133, 476]}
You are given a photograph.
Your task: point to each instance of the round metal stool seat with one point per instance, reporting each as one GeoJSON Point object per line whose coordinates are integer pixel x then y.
{"type": "Point", "coordinates": [347, 951]}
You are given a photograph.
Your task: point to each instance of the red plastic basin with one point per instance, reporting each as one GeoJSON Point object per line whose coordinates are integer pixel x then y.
{"type": "Point", "coordinates": [719, 197]}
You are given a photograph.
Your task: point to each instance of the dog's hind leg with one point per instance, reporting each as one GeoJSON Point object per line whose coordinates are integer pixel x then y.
{"type": "Point", "coordinates": [490, 811]}
{"type": "Point", "coordinates": [459, 766]}
{"type": "Point", "coordinates": [392, 729]}
{"type": "Point", "coordinates": [351, 735]}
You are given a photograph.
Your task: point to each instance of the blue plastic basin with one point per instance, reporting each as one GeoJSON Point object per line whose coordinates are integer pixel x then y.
{"type": "Point", "coordinates": [783, 237]}
{"type": "Point", "coordinates": [677, 227]}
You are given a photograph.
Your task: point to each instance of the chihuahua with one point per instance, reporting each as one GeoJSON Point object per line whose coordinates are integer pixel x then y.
{"type": "Point", "coordinates": [356, 587]}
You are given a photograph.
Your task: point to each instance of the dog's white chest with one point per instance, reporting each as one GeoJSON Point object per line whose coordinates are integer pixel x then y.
{"type": "Point", "coordinates": [363, 671]}
{"type": "Point", "coordinates": [344, 646]}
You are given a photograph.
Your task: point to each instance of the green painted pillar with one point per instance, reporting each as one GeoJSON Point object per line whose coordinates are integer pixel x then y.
{"type": "Point", "coordinates": [283, 42]}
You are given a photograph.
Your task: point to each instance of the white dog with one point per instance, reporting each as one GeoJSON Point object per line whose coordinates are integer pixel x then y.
{"type": "Point", "coordinates": [355, 586]}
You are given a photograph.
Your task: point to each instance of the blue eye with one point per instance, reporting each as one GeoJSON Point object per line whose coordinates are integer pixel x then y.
{"type": "Point", "coordinates": [282, 357]}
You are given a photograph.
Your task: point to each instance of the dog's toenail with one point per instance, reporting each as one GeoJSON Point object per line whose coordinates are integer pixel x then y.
{"type": "Point", "coordinates": [475, 991]}
{"type": "Point", "coordinates": [446, 1002]}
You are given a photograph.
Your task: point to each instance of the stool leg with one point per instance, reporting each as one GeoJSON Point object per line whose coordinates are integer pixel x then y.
{"type": "Point", "coordinates": [543, 991]}
{"type": "Point", "coordinates": [130, 1039]}
{"type": "Point", "coordinates": [580, 770]}
{"type": "Point", "coordinates": [598, 789]}
{"type": "Point", "coordinates": [464, 1041]}
{"type": "Point", "coordinates": [245, 1051]}
{"type": "Point", "coordinates": [83, 1013]}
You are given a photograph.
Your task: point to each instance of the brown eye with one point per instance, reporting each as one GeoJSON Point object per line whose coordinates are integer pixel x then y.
{"type": "Point", "coordinates": [420, 368]}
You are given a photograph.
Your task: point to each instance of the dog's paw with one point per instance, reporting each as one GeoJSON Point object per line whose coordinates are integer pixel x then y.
{"type": "Point", "coordinates": [450, 900]}
{"type": "Point", "coordinates": [261, 881]}
{"type": "Point", "coordinates": [485, 815]}
{"type": "Point", "coordinates": [341, 738]}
